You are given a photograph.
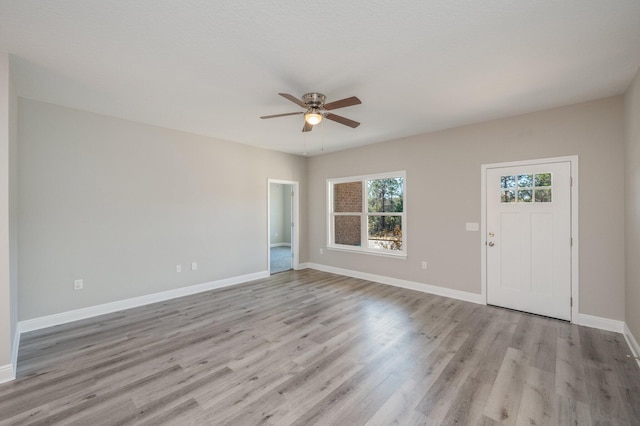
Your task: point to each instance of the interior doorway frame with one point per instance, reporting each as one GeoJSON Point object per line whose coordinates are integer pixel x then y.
{"type": "Point", "coordinates": [575, 234]}
{"type": "Point", "coordinates": [295, 219]}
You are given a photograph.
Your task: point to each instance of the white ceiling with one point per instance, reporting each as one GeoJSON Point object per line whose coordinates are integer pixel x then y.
{"type": "Point", "coordinates": [214, 67]}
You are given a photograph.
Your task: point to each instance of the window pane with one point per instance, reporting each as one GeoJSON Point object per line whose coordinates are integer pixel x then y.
{"type": "Point", "coordinates": [385, 195]}
{"type": "Point", "coordinates": [543, 195]}
{"type": "Point", "coordinates": [525, 181]}
{"type": "Point", "coordinates": [347, 230]}
{"type": "Point", "coordinates": [524, 196]}
{"type": "Point", "coordinates": [347, 197]}
{"type": "Point", "coordinates": [508, 196]}
{"type": "Point", "coordinates": [507, 181]}
{"type": "Point", "coordinates": [543, 179]}
{"type": "Point", "coordinates": [385, 232]}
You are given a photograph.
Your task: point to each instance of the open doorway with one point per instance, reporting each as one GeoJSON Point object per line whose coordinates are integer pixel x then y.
{"type": "Point", "coordinates": [282, 204]}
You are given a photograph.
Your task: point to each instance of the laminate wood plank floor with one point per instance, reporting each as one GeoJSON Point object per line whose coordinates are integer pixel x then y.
{"type": "Point", "coordinates": [312, 348]}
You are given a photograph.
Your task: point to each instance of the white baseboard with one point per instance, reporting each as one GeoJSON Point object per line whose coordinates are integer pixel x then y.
{"type": "Point", "coordinates": [411, 285]}
{"type": "Point", "coordinates": [601, 323]}
{"type": "Point", "coordinates": [280, 245]}
{"type": "Point", "coordinates": [304, 265]}
{"type": "Point", "coordinates": [583, 319]}
{"type": "Point", "coordinates": [7, 373]}
{"type": "Point", "coordinates": [107, 308]}
{"type": "Point", "coordinates": [632, 342]}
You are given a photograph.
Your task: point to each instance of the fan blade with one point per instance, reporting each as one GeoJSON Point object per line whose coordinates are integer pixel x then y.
{"type": "Point", "coordinates": [282, 115]}
{"type": "Point", "coordinates": [294, 100]}
{"type": "Point", "coordinates": [342, 103]}
{"type": "Point", "coordinates": [342, 120]}
{"type": "Point", "coordinates": [307, 127]}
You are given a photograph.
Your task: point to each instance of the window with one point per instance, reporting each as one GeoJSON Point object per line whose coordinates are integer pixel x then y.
{"type": "Point", "coordinates": [526, 188]}
{"type": "Point", "coordinates": [367, 214]}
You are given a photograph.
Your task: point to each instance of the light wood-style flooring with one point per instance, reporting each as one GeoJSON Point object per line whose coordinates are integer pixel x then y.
{"type": "Point", "coordinates": [312, 348]}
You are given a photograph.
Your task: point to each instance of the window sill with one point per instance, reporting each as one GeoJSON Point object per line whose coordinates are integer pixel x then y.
{"type": "Point", "coordinates": [368, 252]}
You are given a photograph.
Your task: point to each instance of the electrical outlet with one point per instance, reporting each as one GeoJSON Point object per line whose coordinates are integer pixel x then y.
{"type": "Point", "coordinates": [178, 268]}
{"type": "Point", "coordinates": [321, 251]}
{"type": "Point", "coordinates": [78, 284]}
{"type": "Point", "coordinates": [194, 266]}
{"type": "Point", "coordinates": [424, 264]}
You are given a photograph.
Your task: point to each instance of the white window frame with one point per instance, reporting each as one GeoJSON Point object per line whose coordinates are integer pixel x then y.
{"type": "Point", "coordinates": [331, 245]}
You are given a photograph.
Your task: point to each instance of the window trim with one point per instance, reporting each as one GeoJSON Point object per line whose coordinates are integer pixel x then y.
{"type": "Point", "coordinates": [330, 214]}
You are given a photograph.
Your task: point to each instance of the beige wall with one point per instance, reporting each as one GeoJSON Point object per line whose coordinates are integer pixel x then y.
{"type": "Point", "coordinates": [286, 213]}
{"type": "Point", "coordinates": [13, 211]}
{"type": "Point", "coordinates": [8, 217]}
{"type": "Point", "coordinates": [443, 192]}
{"type": "Point", "coordinates": [5, 280]}
{"type": "Point", "coordinates": [275, 218]}
{"type": "Point", "coordinates": [632, 206]}
{"type": "Point", "coordinates": [119, 204]}
{"type": "Point", "coordinates": [280, 213]}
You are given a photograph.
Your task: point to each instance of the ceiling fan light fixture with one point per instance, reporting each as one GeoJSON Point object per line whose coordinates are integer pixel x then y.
{"type": "Point", "coordinates": [313, 116]}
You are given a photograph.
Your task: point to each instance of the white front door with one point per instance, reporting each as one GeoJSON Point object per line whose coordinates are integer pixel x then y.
{"type": "Point", "coordinates": [529, 238]}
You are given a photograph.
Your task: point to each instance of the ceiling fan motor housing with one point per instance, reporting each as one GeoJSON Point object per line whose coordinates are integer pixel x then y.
{"type": "Point", "coordinates": [314, 100]}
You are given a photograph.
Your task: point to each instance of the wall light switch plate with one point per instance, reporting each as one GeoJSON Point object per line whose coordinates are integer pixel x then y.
{"type": "Point", "coordinates": [78, 284]}
{"type": "Point", "coordinates": [178, 268]}
{"type": "Point", "coordinates": [194, 266]}
{"type": "Point", "coordinates": [473, 226]}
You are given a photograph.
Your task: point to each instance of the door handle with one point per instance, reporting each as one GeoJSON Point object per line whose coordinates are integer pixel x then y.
{"type": "Point", "coordinates": [491, 244]}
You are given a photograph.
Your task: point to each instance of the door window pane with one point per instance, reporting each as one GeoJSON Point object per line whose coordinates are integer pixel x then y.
{"type": "Point", "coordinates": [507, 181]}
{"type": "Point", "coordinates": [524, 196]}
{"type": "Point", "coordinates": [508, 196]}
{"type": "Point", "coordinates": [543, 195]}
{"type": "Point", "coordinates": [543, 179]}
{"type": "Point", "coordinates": [525, 181]}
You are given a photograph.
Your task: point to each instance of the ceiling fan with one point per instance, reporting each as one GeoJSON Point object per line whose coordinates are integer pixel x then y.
{"type": "Point", "coordinates": [316, 109]}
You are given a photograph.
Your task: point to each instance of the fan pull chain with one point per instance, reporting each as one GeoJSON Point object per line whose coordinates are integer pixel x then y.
{"type": "Point", "coordinates": [322, 137]}
{"type": "Point", "coordinates": [304, 143]}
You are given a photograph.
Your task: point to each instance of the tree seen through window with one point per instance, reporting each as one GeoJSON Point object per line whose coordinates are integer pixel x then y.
{"type": "Point", "coordinates": [384, 198]}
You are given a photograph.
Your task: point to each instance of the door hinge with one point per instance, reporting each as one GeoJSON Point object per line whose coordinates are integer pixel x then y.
{"type": "Point", "coordinates": [571, 302]}
{"type": "Point", "coordinates": [571, 241]}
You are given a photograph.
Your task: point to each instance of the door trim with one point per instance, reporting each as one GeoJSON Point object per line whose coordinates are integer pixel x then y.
{"type": "Point", "coordinates": [575, 287]}
{"type": "Point", "coordinates": [295, 218]}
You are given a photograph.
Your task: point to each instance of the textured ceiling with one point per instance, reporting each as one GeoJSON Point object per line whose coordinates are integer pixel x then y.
{"type": "Point", "coordinates": [214, 67]}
